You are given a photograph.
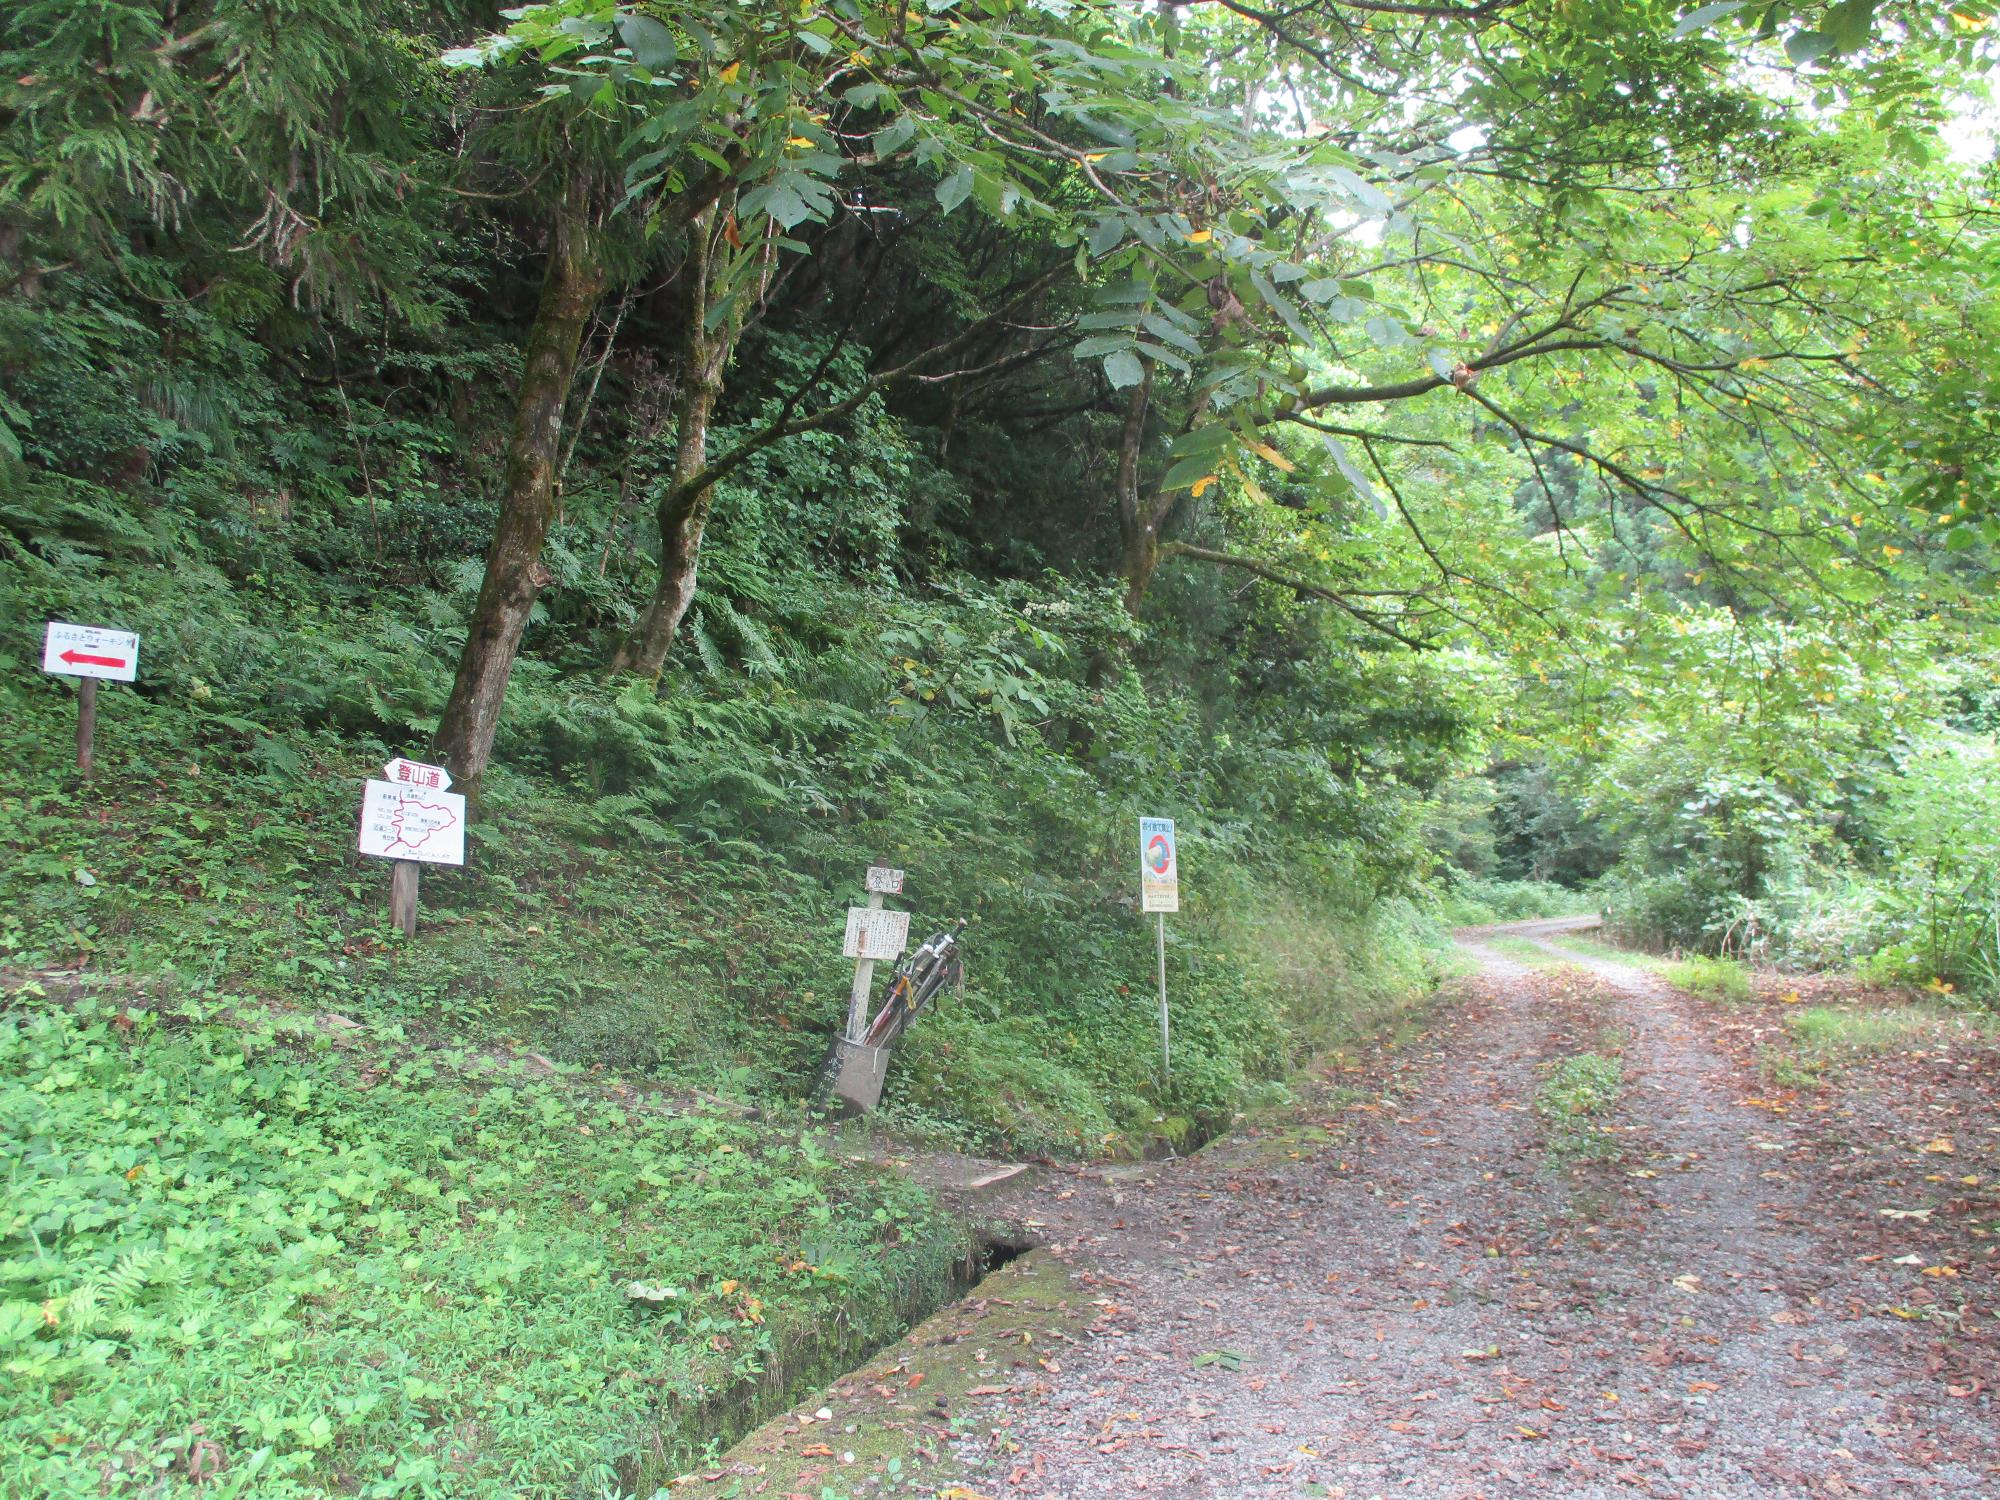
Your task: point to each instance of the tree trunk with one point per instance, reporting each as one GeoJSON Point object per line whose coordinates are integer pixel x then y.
{"type": "Point", "coordinates": [514, 572]}
{"type": "Point", "coordinates": [1139, 516]}
{"type": "Point", "coordinates": [683, 509]}
{"type": "Point", "coordinates": [1139, 520]}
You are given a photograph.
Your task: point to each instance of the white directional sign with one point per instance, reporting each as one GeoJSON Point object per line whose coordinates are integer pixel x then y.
{"type": "Point", "coordinates": [90, 651]}
{"type": "Point", "coordinates": [875, 933]}
{"type": "Point", "coordinates": [1159, 866]}
{"type": "Point", "coordinates": [416, 823]}
{"type": "Point", "coordinates": [416, 773]}
{"type": "Point", "coordinates": [881, 878]}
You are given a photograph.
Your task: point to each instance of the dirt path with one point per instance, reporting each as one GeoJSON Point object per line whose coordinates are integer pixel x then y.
{"type": "Point", "coordinates": [1433, 1308]}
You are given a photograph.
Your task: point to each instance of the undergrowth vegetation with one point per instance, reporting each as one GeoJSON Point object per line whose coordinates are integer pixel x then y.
{"type": "Point", "coordinates": [1571, 1102]}
{"type": "Point", "coordinates": [1712, 978]}
{"type": "Point", "coordinates": [1476, 902]}
{"type": "Point", "coordinates": [270, 1254]}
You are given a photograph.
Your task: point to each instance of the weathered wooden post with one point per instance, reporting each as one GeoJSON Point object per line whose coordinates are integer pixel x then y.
{"type": "Point", "coordinates": [864, 963]}
{"type": "Point", "coordinates": [86, 724]}
{"type": "Point", "coordinates": [857, 1069]}
{"type": "Point", "coordinates": [403, 880]}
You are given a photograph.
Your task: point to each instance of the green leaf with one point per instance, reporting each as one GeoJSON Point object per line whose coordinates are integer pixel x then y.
{"type": "Point", "coordinates": [1705, 16]}
{"type": "Point", "coordinates": [955, 189]}
{"type": "Point", "coordinates": [1337, 450]}
{"type": "Point", "coordinates": [1850, 24]}
{"type": "Point", "coordinates": [1123, 369]}
{"type": "Point", "coordinates": [894, 136]}
{"type": "Point", "coordinates": [653, 46]}
{"type": "Point", "coordinates": [1186, 472]}
{"type": "Point", "coordinates": [1805, 47]}
{"type": "Point", "coordinates": [1210, 439]}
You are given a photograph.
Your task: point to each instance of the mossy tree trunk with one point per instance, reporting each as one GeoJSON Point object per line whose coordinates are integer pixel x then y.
{"type": "Point", "coordinates": [683, 508]}
{"type": "Point", "coordinates": [515, 574]}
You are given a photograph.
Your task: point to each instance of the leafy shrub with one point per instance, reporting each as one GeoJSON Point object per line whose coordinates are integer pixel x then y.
{"type": "Point", "coordinates": [1712, 978]}
{"type": "Point", "coordinates": [1936, 913]}
{"type": "Point", "coordinates": [1476, 903]}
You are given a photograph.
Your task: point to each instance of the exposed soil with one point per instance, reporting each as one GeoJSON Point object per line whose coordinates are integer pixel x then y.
{"type": "Point", "coordinates": [1405, 1291]}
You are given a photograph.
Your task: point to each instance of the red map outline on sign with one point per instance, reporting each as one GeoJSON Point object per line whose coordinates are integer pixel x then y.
{"type": "Point", "coordinates": [406, 802]}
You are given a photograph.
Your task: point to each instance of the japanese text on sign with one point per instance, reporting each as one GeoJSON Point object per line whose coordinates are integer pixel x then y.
{"type": "Point", "coordinates": [415, 823]}
{"type": "Point", "coordinates": [875, 933]}
{"type": "Point", "coordinates": [1159, 866]}
{"type": "Point", "coordinates": [90, 651]}
{"type": "Point", "coordinates": [415, 773]}
{"type": "Point", "coordinates": [881, 878]}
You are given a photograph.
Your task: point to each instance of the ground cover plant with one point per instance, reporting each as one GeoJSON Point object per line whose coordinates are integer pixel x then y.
{"type": "Point", "coordinates": [1571, 1101]}
{"type": "Point", "coordinates": [260, 1253]}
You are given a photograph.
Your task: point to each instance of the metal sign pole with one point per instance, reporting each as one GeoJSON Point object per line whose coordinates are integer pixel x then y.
{"type": "Point", "coordinates": [1166, 1046]}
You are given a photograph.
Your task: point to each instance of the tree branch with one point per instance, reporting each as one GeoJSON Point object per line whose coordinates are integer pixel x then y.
{"type": "Point", "coordinates": [1296, 584]}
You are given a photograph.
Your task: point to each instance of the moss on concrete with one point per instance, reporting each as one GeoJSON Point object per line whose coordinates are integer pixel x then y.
{"type": "Point", "coordinates": [915, 1419]}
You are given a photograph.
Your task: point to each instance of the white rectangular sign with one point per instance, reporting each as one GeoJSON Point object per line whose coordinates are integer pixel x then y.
{"type": "Point", "coordinates": [415, 773]}
{"type": "Point", "coordinates": [407, 822]}
{"type": "Point", "coordinates": [881, 878]}
{"type": "Point", "coordinates": [90, 651]}
{"type": "Point", "coordinates": [1159, 866]}
{"type": "Point", "coordinates": [875, 933]}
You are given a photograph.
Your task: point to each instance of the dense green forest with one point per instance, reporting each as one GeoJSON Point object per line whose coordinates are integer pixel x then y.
{"type": "Point", "coordinates": [1462, 461]}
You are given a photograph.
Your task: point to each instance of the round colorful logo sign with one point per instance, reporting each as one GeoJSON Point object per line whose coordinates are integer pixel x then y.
{"type": "Point", "coordinates": [1159, 853]}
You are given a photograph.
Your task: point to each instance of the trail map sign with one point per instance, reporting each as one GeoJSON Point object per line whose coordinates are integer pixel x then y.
{"type": "Point", "coordinates": [875, 933]}
{"type": "Point", "coordinates": [90, 651]}
{"type": "Point", "coordinates": [1159, 866]}
{"type": "Point", "coordinates": [413, 823]}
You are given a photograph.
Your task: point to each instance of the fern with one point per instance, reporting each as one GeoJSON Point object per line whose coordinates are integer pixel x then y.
{"type": "Point", "coordinates": [753, 642]}
{"type": "Point", "coordinates": [705, 647]}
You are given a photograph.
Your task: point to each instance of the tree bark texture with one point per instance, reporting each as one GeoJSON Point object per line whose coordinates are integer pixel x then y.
{"type": "Point", "coordinates": [1140, 515]}
{"type": "Point", "coordinates": [683, 508]}
{"type": "Point", "coordinates": [514, 572]}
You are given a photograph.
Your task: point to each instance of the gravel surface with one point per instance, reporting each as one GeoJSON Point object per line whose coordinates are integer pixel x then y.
{"type": "Point", "coordinates": [1424, 1302]}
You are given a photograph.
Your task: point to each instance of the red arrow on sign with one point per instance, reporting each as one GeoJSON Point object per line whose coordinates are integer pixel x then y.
{"type": "Point", "coordinates": [73, 657]}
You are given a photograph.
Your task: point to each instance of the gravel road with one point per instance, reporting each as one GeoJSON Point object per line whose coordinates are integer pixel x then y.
{"type": "Point", "coordinates": [1427, 1304]}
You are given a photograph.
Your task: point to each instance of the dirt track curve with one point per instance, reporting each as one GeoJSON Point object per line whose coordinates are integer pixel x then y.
{"type": "Point", "coordinates": [1429, 1306]}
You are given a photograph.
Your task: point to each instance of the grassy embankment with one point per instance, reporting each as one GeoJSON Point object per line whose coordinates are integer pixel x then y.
{"type": "Point", "coordinates": [299, 1205]}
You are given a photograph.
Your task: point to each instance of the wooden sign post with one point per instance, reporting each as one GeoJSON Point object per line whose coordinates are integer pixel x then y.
{"type": "Point", "coordinates": [89, 653]}
{"type": "Point", "coordinates": [854, 1070]}
{"type": "Point", "coordinates": [411, 818]}
{"type": "Point", "coordinates": [872, 937]}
